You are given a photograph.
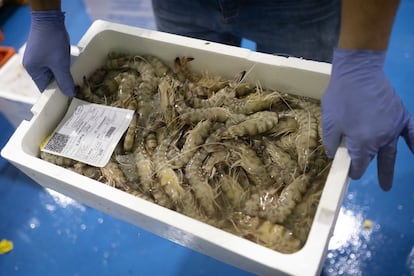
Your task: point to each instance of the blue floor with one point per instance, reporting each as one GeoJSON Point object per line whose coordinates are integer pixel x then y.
{"type": "Point", "coordinates": [54, 235]}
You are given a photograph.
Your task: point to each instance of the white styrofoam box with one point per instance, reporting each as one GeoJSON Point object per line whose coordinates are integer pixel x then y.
{"type": "Point", "coordinates": [18, 92]}
{"type": "Point", "coordinates": [285, 74]}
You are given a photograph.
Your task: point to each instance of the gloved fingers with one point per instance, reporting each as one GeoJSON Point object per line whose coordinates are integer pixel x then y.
{"type": "Point", "coordinates": [65, 81]}
{"type": "Point", "coordinates": [408, 134]}
{"type": "Point", "coordinates": [385, 165]}
{"type": "Point", "coordinates": [331, 137]}
{"type": "Point", "coordinates": [41, 77]}
{"type": "Point", "coordinates": [360, 158]}
{"type": "Point", "coordinates": [359, 166]}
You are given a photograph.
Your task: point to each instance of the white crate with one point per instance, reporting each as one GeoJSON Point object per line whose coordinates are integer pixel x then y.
{"type": "Point", "coordinates": [285, 74]}
{"type": "Point", "coordinates": [18, 92]}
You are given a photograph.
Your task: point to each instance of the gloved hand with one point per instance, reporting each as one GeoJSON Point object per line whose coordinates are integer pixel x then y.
{"type": "Point", "coordinates": [47, 53]}
{"type": "Point", "coordinates": [361, 105]}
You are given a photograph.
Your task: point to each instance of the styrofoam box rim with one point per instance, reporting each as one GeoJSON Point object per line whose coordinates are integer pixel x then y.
{"type": "Point", "coordinates": [17, 91]}
{"type": "Point", "coordinates": [22, 151]}
{"type": "Point", "coordinates": [9, 68]}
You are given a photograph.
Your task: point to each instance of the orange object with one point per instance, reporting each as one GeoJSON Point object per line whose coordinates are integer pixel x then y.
{"type": "Point", "coordinates": [1, 36]}
{"type": "Point", "coordinates": [5, 54]}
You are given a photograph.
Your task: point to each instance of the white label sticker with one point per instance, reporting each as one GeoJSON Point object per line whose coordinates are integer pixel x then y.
{"type": "Point", "coordinates": [88, 132]}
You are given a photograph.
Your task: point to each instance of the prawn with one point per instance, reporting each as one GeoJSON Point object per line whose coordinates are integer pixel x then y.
{"type": "Point", "coordinates": [113, 176]}
{"type": "Point", "coordinates": [252, 164]}
{"type": "Point", "coordinates": [255, 102]}
{"type": "Point", "coordinates": [167, 177]}
{"type": "Point", "coordinates": [232, 190]}
{"type": "Point", "coordinates": [307, 137]}
{"type": "Point", "coordinates": [282, 166]}
{"type": "Point", "coordinates": [287, 200]}
{"type": "Point", "coordinates": [204, 193]}
{"type": "Point", "coordinates": [255, 124]}
{"type": "Point", "coordinates": [194, 138]}
{"type": "Point", "coordinates": [266, 233]}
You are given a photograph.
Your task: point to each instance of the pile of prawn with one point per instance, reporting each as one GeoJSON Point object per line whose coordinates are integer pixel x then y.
{"type": "Point", "coordinates": [242, 158]}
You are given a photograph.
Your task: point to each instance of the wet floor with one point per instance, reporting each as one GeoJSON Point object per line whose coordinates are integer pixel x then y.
{"type": "Point", "coordinates": [55, 235]}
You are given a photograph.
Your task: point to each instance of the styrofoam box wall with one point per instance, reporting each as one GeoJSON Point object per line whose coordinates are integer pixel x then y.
{"type": "Point", "coordinates": [18, 92]}
{"type": "Point", "coordinates": [285, 74]}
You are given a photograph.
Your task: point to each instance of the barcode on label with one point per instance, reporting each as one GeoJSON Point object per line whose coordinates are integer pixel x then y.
{"type": "Point", "coordinates": [57, 143]}
{"type": "Point", "coordinates": [110, 131]}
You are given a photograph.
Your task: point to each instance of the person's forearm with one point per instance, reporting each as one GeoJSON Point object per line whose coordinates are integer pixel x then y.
{"type": "Point", "coordinates": [45, 5]}
{"type": "Point", "coordinates": [367, 24]}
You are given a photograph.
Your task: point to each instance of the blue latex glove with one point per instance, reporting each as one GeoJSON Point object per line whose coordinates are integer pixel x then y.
{"type": "Point", "coordinates": [47, 53]}
{"type": "Point", "coordinates": [361, 105]}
